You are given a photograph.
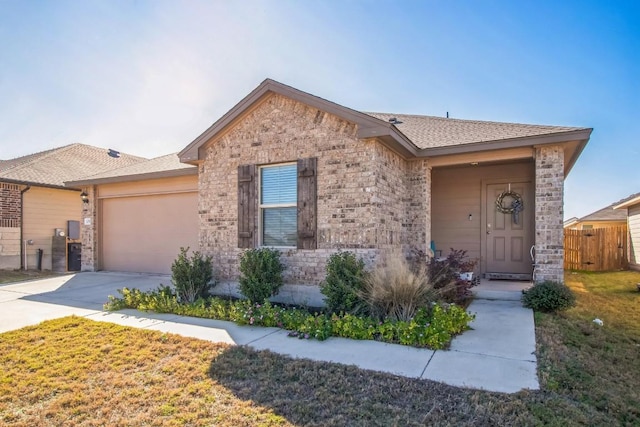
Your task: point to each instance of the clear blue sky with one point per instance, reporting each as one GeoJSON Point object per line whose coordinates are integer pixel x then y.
{"type": "Point", "coordinates": [147, 77]}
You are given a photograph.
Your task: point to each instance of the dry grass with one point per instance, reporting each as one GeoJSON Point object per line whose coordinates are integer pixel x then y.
{"type": "Point", "coordinates": [596, 365]}
{"type": "Point", "coordinates": [75, 372]}
{"type": "Point", "coordinates": [9, 276]}
{"type": "Point", "coordinates": [396, 291]}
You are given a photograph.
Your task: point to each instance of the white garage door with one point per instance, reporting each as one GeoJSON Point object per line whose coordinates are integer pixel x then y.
{"type": "Point", "coordinates": [144, 233]}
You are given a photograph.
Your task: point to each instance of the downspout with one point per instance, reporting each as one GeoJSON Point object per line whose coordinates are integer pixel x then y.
{"type": "Point", "coordinates": [23, 249]}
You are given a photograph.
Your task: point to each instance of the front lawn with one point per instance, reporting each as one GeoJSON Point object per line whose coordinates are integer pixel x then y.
{"type": "Point", "coordinates": [596, 365]}
{"type": "Point", "coordinates": [76, 372]}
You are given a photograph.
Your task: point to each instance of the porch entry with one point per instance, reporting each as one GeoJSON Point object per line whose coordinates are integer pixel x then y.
{"type": "Point", "coordinates": [508, 230]}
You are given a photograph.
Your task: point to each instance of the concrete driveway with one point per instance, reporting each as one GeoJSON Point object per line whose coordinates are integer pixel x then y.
{"type": "Point", "coordinates": [82, 294]}
{"type": "Point", "coordinates": [498, 354]}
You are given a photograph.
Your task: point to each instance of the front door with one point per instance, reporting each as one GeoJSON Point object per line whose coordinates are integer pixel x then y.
{"type": "Point", "coordinates": [509, 236]}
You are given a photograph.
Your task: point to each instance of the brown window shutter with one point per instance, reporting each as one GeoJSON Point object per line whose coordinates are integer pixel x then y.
{"type": "Point", "coordinates": [307, 195]}
{"type": "Point", "coordinates": [247, 202]}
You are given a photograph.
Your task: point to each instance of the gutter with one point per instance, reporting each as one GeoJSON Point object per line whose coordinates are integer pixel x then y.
{"type": "Point", "coordinates": [23, 248]}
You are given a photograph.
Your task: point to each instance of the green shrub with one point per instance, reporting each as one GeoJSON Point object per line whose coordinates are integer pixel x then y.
{"type": "Point", "coordinates": [345, 279]}
{"type": "Point", "coordinates": [260, 274]}
{"type": "Point", "coordinates": [548, 296]}
{"type": "Point", "coordinates": [161, 300]}
{"type": "Point", "coordinates": [192, 277]}
{"type": "Point", "coordinates": [431, 328]}
{"type": "Point", "coordinates": [396, 291]}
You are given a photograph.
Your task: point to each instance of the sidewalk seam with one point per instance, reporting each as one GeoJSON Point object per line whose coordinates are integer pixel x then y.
{"type": "Point", "coordinates": [263, 336]}
{"type": "Point", "coordinates": [427, 365]}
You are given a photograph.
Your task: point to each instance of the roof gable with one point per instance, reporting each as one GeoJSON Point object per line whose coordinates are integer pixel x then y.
{"type": "Point", "coordinates": [368, 126]}
{"type": "Point", "coordinates": [54, 167]}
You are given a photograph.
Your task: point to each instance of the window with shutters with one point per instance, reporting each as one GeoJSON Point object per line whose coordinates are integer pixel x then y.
{"type": "Point", "coordinates": [278, 205]}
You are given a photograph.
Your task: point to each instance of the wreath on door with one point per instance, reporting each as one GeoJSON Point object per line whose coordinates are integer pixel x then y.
{"type": "Point", "coordinates": [514, 208]}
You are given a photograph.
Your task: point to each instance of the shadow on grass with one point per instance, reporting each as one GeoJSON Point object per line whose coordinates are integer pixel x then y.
{"type": "Point", "coordinates": [314, 393]}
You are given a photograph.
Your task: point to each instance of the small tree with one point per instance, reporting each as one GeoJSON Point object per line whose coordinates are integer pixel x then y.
{"type": "Point", "coordinates": [345, 279]}
{"type": "Point", "coordinates": [192, 277]}
{"type": "Point", "coordinates": [260, 274]}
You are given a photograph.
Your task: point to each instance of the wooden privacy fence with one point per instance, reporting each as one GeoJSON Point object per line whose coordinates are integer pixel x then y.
{"type": "Point", "coordinates": [599, 249]}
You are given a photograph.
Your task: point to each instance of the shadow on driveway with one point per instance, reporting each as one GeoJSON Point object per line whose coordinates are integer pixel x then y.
{"type": "Point", "coordinates": [85, 290]}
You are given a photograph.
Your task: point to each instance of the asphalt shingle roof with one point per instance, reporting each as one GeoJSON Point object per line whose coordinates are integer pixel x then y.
{"type": "Point", "coordinates": [67, 163]}
{"type": "Point", "coordinates": [434, 132]}
{"type": "Point", "coordinates": [606, 214]}
{"type": "Point", "coordinates": [166, 163]}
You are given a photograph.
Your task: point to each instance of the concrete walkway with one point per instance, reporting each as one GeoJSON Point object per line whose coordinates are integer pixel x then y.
{"type": "Point", "coordinates": [498, 354]}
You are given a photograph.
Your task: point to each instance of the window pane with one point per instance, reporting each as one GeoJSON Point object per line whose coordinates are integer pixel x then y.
{"type": "Point", "coordinates": [279, 227]}
{"type": "Point", "coordinates": [279, 185]}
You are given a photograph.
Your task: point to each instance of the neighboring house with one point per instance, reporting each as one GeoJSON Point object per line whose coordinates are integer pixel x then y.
{"type": "Point", "coordinates": [34, 201]}
{"type": "Point", "coordinates": [287, 169]}
{"type": "Point", "coordinates": [603, 218]}
{"type": "Point", "coordinates": [146, 213]}
{"type": "Point", "coordinates": [631, 207]}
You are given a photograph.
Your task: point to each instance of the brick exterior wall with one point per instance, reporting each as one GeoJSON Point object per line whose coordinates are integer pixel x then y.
{"type": "Point", "coordinates": [10, 209]}
{"type": "Point", "coordinates": [89, 233]}
{"type": "Point", "coordinates": [549, 233]}
{"type": "Point", "coordinates": [10, 221]}
{"type": "Point", "coordinates": [367, 194]}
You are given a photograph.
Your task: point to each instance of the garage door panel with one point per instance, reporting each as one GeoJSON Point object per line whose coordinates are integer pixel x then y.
{"type": "Point", "coordinates": [145, 233]}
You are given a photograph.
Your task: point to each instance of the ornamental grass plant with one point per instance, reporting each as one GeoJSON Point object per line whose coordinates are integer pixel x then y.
{"type": "Point", "coordinates": [396, 291]}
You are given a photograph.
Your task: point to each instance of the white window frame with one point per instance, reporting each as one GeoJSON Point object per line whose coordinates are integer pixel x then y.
{"type": "Point", "coordinates": [262, 207]}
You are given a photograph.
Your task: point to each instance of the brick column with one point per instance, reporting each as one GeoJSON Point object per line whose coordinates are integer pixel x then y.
{"type": "Point", "coordinates": [549, 238]}
{"type": "Point", "coordinates": [89, 231]}
{"type": "Point", "coordinates": [416, 225]}
{"type": "Point", "coordinates": [427, 211]}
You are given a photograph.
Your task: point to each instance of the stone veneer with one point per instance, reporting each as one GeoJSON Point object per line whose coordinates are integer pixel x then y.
{"type": "Point", "coordinates": [370, 200]}
{"type": "Point", "coordinates": [89, 232]}
{"type": "Point", "coordinates": [549, 237]}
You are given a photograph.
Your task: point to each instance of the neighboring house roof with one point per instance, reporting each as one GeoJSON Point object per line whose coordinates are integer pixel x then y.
{"type": "Point", "coordinates": [613, 212]}
{"type": "Point", "coordinates": [53, 167]}
{"type": "Point", "coordinates": [605, 214]}
{"type": "Point", "coordinates": [633, 199]}
{"type": "Point", "coordinates": [159, 167]}
{"type": "Point", "coordinates": [410, 135]}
